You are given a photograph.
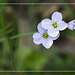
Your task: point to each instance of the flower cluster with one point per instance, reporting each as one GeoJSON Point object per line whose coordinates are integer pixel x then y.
{"type": "Point", "coordinates": [48, 30]}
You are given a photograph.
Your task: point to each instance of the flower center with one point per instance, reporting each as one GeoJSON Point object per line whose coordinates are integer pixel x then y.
{"type": "Point", "coordinates": [45, 35]}
{"type": "Point", "coordinates": [55, 25]}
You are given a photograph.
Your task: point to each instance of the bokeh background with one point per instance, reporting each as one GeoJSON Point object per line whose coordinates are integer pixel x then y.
{"type": "Point", "coordinates": [24, 18]}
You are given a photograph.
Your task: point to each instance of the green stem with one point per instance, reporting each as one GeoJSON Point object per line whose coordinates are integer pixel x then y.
{"type": "Point", "coordinates": [20, 35]}
{"type": "Point", "coordinates": [12, 55]}
{"type": "Point", "coordinates": [17, 36]}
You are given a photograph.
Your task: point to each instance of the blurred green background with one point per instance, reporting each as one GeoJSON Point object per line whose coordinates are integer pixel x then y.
{"type": "Point", "coordinates": [24, 18]}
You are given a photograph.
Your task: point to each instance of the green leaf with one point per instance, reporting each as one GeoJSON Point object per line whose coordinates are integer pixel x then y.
{"type": "Point", "coordinates": [6, 48]}
{"type": "Point", "coordinates": [9, 31]}
{"type": "Point", "coordinates": [4, 1]}
{"type": "Point", "coordinates": [21, 55]}
{"type": "Point", "coordinates": [1, 30]}
{"type": "Point", "coordinates": [36, 60]}
{"type": "Point", "coordinates": [30, 59]}
{"type": "Point", "coordinates": [1, 34]}
{"type": "Point", "coordinates": [7, 26]}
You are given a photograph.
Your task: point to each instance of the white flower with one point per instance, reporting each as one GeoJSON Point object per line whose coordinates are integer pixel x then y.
{"type": "Point", "coordinates": [71, 25]}
{"type": "Point", "coordinates": [53, 26]}
{"type": "Point", "coordinates": [43, 38]}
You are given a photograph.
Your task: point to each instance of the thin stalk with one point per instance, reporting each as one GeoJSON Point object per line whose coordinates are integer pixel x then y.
{"type": "Point", "coordinates": [17, 36]}
{"type": "Point", "coordinates": [20, 35]}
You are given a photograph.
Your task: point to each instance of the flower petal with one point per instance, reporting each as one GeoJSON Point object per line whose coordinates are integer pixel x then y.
{"type": "Point", "coordinates": [56, 16]}
{"type": "Point", "coordinates": [53, 32]}
{"type": "Point", "coordinates": [54, 38]}
{"type": "Point", "coordinates": [40, 29]}
{"type": "Point", "coordinates": [71, 24]}
{"type": "Point", "coordinates": [47, 43]}
{"type": "Point", "coordinates": [37, 41]}
{"type": "Point", "coordinates": [37, 35]}
{"type": "Point", "coordinates": [62, 25]}
{"type": "Point", "coordinates": [74, 27]}
{"type": "Point", "coordinates": [46, 23]}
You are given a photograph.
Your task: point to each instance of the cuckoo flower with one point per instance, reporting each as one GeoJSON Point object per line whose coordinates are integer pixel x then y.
{"type": "Point", "coordinates": [53, 26]}
{"type": "Point", "coordinates": [43, 38]}
{"type": "Point", "coordinates": [71, 25]}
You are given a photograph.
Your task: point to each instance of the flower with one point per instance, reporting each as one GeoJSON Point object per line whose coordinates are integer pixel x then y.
{"type": "Point", "coordinates": [71, 25]}
{"type": "Point", "coordinates": [53, 26]}
{"type": "Point", "coordinates": [42, 37]}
